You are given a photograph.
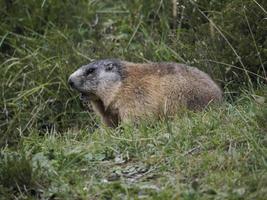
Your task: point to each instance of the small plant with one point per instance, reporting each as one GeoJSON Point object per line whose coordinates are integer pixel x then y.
{"type": "Point", "coordinates": [16, 172]}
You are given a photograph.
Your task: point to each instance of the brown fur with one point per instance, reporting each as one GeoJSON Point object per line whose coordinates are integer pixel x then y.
{"type": "Point", "coordinates": [155, 90]}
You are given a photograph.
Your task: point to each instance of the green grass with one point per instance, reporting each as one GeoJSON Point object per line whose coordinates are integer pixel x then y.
{"type": "Point", "coordinates": [52, 149]}
{"type": "Point", "coordinates": [219, 153]}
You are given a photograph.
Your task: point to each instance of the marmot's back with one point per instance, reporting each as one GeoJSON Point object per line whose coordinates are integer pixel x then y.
{"type": "Point", "coordinates": [163, 88]}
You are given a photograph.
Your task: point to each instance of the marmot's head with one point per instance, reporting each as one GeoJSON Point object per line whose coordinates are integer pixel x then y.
{"type": "Point", "coordinates": [97, 78]}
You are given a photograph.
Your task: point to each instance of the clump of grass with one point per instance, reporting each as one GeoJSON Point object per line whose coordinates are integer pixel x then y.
{"type": "Point", "coordinates": [17, 176]}
{"type": "Point", "coordinates": [16, 172]}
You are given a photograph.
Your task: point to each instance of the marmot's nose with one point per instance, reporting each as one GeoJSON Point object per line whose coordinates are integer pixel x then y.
{"type": "Point", "coordinates": [71, 83]}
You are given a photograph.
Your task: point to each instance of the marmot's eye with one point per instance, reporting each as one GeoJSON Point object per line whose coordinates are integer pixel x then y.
{"type": "Point", "coordinates": [89, 71]}
{"type": "Point", "coordinates": [110, 67]}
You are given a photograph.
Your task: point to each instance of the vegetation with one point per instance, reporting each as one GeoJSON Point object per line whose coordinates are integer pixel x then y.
{"type": "Point", "coordinates": [52, 149]}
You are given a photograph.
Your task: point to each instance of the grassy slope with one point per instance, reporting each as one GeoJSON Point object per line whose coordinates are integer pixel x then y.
{"type": "Point", "coordinates": [50, 148]}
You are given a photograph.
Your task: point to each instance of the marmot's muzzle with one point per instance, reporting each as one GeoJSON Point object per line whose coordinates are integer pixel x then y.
{"type": "Point", "coordinates": [71, 83]}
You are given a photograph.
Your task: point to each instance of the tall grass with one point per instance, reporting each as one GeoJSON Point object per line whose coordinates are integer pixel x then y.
{"type": "Point", "coordinates": [42, 42]}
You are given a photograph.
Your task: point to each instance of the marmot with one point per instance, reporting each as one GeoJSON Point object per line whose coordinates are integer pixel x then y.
{"type": "Point", "coordinates": [121, 91]}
